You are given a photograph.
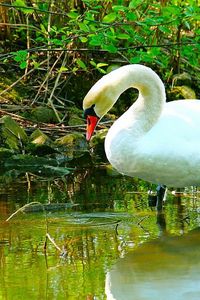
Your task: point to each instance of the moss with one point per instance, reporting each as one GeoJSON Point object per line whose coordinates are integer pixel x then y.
{"type": "Point", "coordinates": [74, 144]}
{"type": "Point", "coordinates": [15, 94]}
{"type": "Point", "coordinates": [39, 138]}
{"type": "Point", "coordinates": [43, 114]}
{"type": "Point", "coordinates": [75, 116]}
{"type": "Point", "coordinates": [5, 153]}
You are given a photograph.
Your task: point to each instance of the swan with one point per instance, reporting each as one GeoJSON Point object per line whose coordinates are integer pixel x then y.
{"type": "Point", "coordinates": [156, 141]}
{"type": "Point", "coordinates": [158, 269]}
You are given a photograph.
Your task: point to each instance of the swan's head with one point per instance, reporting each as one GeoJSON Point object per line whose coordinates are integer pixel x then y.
{"type": "Point", "coordinates": [97, 103]}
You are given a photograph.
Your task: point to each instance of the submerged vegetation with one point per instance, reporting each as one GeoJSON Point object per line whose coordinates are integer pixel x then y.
{"type": "Point", "coordinates": [53, 51]}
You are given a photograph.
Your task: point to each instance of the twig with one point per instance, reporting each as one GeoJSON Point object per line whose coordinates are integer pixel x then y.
{"type": "Point", "coordinates": [167, 45]}
{"type": "Point", "coordinates": [22, 25]}
{"type": "Point", "coordinates": [53, 242]}
{"type": "Point", "coordinates": [142, 219]}
{"type": "Point", "coordinates": [47, 76]}
{"type": "Point", "coordinates": [28, 44]}
{"type": "Point", "coordinates": [17, 117]}
{"type": "Point", "coordinates": [22, 208]}
{"type": "Point", "coordinates": [18, 80]}
{"type": "Point", "coordinates": [51, 2]}
{"type": "Point", "coordinates": [53, 90]}
{"type": "Point", "coordinates": [33, 8]}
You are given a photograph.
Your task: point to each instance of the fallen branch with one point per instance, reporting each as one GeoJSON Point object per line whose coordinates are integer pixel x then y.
{"type": "Point", "coordinates": [53, 242]}
{"type": "Point", "coordinates": [21, 209]}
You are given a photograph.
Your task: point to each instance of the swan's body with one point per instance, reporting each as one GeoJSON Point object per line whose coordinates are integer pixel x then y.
{"type": "Point", "coordinates": [153, 140]}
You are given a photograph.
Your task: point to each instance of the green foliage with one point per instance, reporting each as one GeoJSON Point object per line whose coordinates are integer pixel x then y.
{"type": "Point", "coordinates": [21, 5]}
{"type": "Point", "coordinates": [37, 153]}
{"type": "Point", "coordinates": [94, 33]}
{"type": "Point", "coordinates": [13, 135]}
{"type": "Point", "coordinates": [20, 57]}
{"type": "Point", "coordinates": [36, 165]}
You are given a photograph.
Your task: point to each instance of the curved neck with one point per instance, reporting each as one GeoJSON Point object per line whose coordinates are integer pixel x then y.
{"type": "Point", "coordinates": [149, 105]}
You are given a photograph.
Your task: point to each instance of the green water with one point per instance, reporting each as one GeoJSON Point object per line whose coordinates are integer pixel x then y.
{"type": "Point", "coordinates": [104, 243]}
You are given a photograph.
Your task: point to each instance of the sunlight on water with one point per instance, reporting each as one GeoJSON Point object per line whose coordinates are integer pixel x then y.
{"type": "Point", "coordinates": [95, 237]}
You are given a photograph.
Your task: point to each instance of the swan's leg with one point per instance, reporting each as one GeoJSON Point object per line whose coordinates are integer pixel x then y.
{"type": "Point", "coordinates": [161, 189]}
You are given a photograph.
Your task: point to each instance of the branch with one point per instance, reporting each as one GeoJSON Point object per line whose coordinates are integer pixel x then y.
{"type": "Point", "coordinates": [120, 48]}
{"type": "Point", "coordinates": [53, 242]}
{"type": "Point", "coordinates": [33, 8]}
{"type": "Point", "coordinates": [22, 208]}
{"type": "Point", "coordinates": [18, 80]}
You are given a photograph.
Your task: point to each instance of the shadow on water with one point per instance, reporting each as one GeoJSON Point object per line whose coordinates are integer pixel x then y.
{"type": "Point", "coordinates": [105, 241]}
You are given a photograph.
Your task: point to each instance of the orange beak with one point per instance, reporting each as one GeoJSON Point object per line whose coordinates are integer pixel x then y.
{"type": "Point", "coordinates": [91, 124]}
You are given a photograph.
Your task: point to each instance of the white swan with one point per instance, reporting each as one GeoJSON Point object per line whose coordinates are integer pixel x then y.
{"type": "Point", "coordinates": [153, 140]}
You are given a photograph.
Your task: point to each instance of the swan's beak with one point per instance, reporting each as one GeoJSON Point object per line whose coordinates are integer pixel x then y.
{"type": "Point", "coordinates": [91, 124]}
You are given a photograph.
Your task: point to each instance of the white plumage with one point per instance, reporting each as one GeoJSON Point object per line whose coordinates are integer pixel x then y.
{"type": "Point", "coordinates": [153, 140]}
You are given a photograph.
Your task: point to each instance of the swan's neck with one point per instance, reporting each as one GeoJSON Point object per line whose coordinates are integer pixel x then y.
{"type": "Point", "coordinates": [144, 113]}
{"type": "Point", "coordinates": [123, 138]}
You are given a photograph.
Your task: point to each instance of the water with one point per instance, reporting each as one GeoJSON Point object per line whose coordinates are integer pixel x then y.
{"type": "Point", "coordinates": [96, 239]}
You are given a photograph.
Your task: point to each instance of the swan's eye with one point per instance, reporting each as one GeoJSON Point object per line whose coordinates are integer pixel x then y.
{"type": "Point", "coordinates": [90, 112]}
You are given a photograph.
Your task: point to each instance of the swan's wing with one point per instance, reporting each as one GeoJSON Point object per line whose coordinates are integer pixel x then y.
{"type": "Point", "coordinates": [171, 149]}
{"type": "Point", "coordinates": [180, 121]}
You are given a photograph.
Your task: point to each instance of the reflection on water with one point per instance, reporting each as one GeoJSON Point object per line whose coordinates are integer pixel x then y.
{"type": "Point", "coordinates": [105, 235]}
{"type": "Point", "coordinates": [167, 268]}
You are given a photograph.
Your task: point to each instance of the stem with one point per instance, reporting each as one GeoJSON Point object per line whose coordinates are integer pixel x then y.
{"type": "Point", "coordinates": [178, 55]}
{"type": "Point", "coordinates": [18, 80]}
{"type": "Point", "coordinates": [48, 46]}
{"type": "Point", "coordinates": [54, 88]}
{"type": "Point", "coordinates": [47, 76]}
{"type": "Point", "coordinates": [28, 44]}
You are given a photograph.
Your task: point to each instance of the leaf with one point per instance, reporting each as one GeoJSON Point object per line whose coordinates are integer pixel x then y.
{"type": "Point", "coordinates": [38, 137]}
{"type": "Point", "coordinates": [135, 60]}
{"type": "Point", "coordinates": [131, 16]}
{"type": "Point", "coordinates": [171, 10]}
{"type": "Point", "coordinates": [110, 18]}
{"type": "Point", "coordinates": [99, 65]}
{"type": "Point", "coordinates": [83, 39]}
{"type": "Point", "coordinates": [63, 69]}
{"type": "Point", "coordinates": [81, 64]}
{"type": "Point", "coordinates": [93, 63]}
{"type": "Point", "coordinates": [119, 8]}
{"type": "Point", "coordinates": [123, 36]}
{"type": "Point", "coordinates": [185, 91]}
{"type": "Point", "coordinates": [43, 29]}
{"type": "Point", "coordinates": [109, 48]}
{"type": "Point", "coordinates": [57, 42]}
{"type": "Point", "coordinates": [196, 17]}
{"type": "Point", "coordinates": [96, 40]}
{"type": "Point", "coordinates": [21, 5]}
{"type": "Point", "coordinates": [72, 15]}
{"type": "Point", "coordinates": [84, 27]}
{"type": "Point", "coordinates": [164, 29]}
{"type": "Point", "coordinates": [20, 55]}
{"type": "Point", "coordinates": [35, 64]}
{"type": "Point", "coordinates": [187, 25]}
{"type": "Point", "coordinates": [38, 165]}
{"type": "Point", "coordinates": [134, 3]}
{"type": "Point", "coordinates": [23, 65]}
{"type": "Point", "coordinates": [101, 70]}
{"type": "Point", "coordinates": [4, 154]}
{"type": "Point", "coordinates": [41, 144]}
{"type": "Point", "coordinates": [13, 134]}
